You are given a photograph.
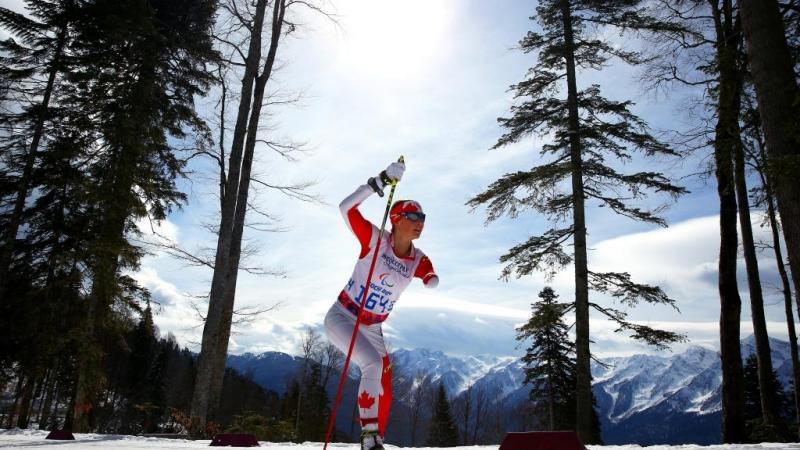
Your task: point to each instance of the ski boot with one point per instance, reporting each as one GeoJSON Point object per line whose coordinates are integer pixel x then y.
{"type": "Point", "coordinates": [371, 440]}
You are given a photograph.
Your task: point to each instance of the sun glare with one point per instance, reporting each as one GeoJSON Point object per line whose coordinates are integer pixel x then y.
{"type": "Point", "coordinates": [394, 39]}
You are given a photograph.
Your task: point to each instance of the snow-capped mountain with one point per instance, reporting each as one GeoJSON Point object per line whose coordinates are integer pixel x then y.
{"type": "Point", "coordinates": [688, 381]}
{"type": "Point", "coordinates": [644, 399]}
{"type": "Point", "coordinates": [457, 374]}
{"type": "Point", "coordinates": [641, 382]}
{"type": "Point", "coordinates": [271, 370]}
{"type": "Point", "coordinates": [677, 399]}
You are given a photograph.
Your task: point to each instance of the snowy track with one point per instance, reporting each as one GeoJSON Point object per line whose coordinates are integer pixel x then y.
{"type": "Point", "coordinates": [34, 440]}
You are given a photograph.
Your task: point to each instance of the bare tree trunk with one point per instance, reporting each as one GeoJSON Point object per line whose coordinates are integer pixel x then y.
{"type": "Point", "coordinates": [730, 302]}
{"type": "Point", "coordinates": [416, 407]}
{"type": "Point", "coordinates": [69, 418]}
{"type": "Point", "coordinates": [308, 344]}
{"type": "Point", "coordinates": [222, 102]}
{"type": "Point", "coordinates": [763, 352]}
{"type": "Point", "coordinates": [216, 332]}
{"type": "Point", "coordinates": [24, 408]}
{"type": "Point", "coordinates": [786, 287]}
{"type": "Point", "coordinates": [23, 186]}
{"type": "Point", "coordinates": [787, 300]}
{"type": "Point", "coordinates": [333, 359]}
{"type": "Point", "coordinates": [551, 407]}
{"type": "Point", "coordinates": [481, 400]}
{"type": "Point", "coordinates": [466, 412]}
{"type": "Point", "coordinates": [46, 399]}
{"type": "Point", "coordinates": [51, 411]}
{"type": "Point", "coordinates": [211, 361]}
{"type": "Point", "coordinates": [583, 391]}
{"type": "Point", "coordinates": [18, 389]}
{"type": "Point", "coordinates": [779, 105]}
{"type": "Point", "coordinates": [244, 183]}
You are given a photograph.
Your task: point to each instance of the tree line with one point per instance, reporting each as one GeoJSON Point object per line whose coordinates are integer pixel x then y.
{"type": "Point", "coordinates": [98, 126]}
{"type": "Point", "coordinates": [149, 383]}
{"type": "Point", "coordinates": [98, 100]}
{"type": "Point", "coordinates": [147, 390]}
{"type": "Point", "coordinates": [740, 58]}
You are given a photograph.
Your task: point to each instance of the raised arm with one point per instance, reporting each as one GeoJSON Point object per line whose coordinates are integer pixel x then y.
{"type": "Point", "coordinates": [361, 227]}
{"type": "Point", "coordinates": [365, 231]}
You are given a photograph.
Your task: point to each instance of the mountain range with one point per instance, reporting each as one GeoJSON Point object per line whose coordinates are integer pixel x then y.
{"type": "Point", "coordinates": [641, 399]}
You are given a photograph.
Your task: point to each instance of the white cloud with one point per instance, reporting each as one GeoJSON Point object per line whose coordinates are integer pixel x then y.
{"type": "Point", "coordinates": [156, 229]}
{"type": "Point", "coordinates": [166, 293]}
{"type": "Point", "coordinates": [443, 302]}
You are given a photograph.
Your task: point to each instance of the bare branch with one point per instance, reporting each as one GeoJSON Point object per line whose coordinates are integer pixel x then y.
{"type": "Point", "coordinates": [233, 46]}
{"type": "Point", "coordinates": [246, 315]}
{"type": "Point", "coordinates": [293, 190]}
{"type": "Point", "coordinates": [334, 18]}
{"type": "Point", "coordinates": [232, 8]}
{"type": "Point", "coordinates": [285, 150]}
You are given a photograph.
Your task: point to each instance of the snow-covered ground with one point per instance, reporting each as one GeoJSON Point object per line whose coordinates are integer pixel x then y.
{"type": "Point", "coordinates": [34, 440]}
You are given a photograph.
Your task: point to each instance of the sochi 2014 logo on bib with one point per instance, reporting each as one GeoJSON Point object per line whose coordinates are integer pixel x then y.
{"type": "Point", "coordinates": [396, 265]}
{"type": "Point", "coordinates": [385, 279]}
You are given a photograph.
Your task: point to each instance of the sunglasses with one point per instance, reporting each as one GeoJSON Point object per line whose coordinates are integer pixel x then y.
{"type": "Point", "coordinates": [414, 216]}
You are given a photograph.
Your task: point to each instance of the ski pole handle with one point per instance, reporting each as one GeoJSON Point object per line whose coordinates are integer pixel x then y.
{"type": "Point", "coordinates": [402, 161]}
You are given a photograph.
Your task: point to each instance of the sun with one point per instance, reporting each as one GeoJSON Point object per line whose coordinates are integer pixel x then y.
{"type": "Point", "coordinates": [394, 39]}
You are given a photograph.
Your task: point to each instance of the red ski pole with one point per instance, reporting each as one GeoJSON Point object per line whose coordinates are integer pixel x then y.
{"type": "Point", "coordinates": [365, 295]}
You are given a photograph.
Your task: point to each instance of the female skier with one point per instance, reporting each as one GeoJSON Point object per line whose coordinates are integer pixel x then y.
{"type": "Point", "coordinates": [398, 261]}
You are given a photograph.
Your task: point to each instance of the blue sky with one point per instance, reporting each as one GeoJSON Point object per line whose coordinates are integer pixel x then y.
{"type": "Point", "coordinates": [428, 79]}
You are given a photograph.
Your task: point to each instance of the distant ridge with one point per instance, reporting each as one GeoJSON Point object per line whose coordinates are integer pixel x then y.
{"type": "Point", "coordinates": [642, 399]}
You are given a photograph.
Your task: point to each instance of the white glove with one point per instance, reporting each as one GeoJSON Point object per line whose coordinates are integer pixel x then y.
{"type": "Point", "coordinates": [395, 171]}
{"type": "Point", "coordinates": [392, 173]}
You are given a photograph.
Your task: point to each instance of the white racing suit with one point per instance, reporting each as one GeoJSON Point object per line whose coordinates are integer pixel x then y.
{"type": "Point", "coordinates": [391, 276]}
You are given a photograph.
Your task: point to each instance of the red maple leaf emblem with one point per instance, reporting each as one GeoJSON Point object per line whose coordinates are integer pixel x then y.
{"type": "Point", "coordinates": [365, 401]}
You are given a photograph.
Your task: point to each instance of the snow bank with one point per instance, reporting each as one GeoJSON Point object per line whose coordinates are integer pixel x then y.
{"type": "Point", "coordinates": [35, 439]}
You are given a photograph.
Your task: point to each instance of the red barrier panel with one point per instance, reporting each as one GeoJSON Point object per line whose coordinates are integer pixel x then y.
{"type": "Point", "coordinates": [542, 440]}
{"type": "Point", "coordinates": [234, 440]}
{"type": "Point", "coordinates": [60, 435]}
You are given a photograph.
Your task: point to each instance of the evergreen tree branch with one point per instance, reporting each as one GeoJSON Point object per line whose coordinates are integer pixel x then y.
{"type": "Point", "coordinates": [540, 253]}
{"type": "Point", "coordinates": [540, 183]}
{"type": "Point", "coordinates": [620, 286]}
{"type": "Point", "coordinates": [26, 28]}
{"type": "Point", "coordinates": [660, 339]}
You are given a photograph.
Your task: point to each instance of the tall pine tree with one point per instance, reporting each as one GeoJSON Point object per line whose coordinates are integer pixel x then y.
{"type": "Point", "coordinates": [142, 63]}
{"type": "Point", "coordinates": [759, 430]}
{"type": "Point", "coordinates": [442, 431]}
{"type": "Point", "coordinates": [589, 132]}
{"type": "Point", "coordinates": [550, 364]}
{"type": "Point", "coordinates": [40, 206]}
{"type": "Point", "coordinates": [550, 361]}
{"type": "Point", "coordinates": [39, 52]}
